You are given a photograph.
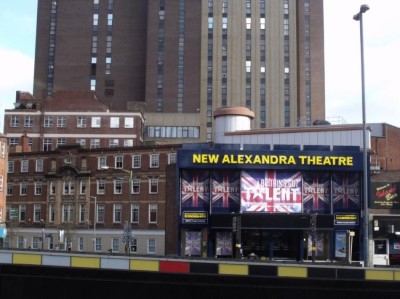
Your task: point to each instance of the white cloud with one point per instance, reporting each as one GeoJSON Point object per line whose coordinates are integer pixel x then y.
{"type": "Point", "coordinates": [343, 60]}
{"type": "Point", "coordinates": [17, 75]}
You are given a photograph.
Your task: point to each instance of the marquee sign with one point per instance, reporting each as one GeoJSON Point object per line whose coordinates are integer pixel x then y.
{"type": "Point", "coordinates": [270, 159]}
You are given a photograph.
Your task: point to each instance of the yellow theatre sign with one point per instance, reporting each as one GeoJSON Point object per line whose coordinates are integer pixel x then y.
{"type": "Point", "coordinates": [259, 159]}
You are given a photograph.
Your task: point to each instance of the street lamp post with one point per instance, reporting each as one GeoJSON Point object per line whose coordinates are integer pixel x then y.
{"type": "Point", "coordinates": [94, 222]}
{"type": "Point", "coordinates": [127, 225]}
{"type": "Point", "coordinates": [359, 17]}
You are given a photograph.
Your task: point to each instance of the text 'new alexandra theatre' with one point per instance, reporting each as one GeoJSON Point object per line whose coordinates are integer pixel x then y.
{"type": "Point", "coordinates": [275, 195]}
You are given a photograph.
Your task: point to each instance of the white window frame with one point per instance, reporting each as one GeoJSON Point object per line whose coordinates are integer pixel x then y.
{"type": "Point", "coordinates": [117, 213]}
{"type": "Point", "coordinates": [96, 122]}
{"type": "Point", "coordinates": [61, 122]}
{"type": "Point", "coordinates": [81, 122]}
{"type": "Point", "coordinates": [39, 165]}
{"type": "Point", "coordinates": [153, 183]}
{"type": "Point", "coordinates": [129, 122]}
{"type": "Point", "coordinates": [101, 186]}
{"type": "Point", "coordinates": [24, 165]}
{"type": "Point", "coordinates": [153, 209]}
{"type": "Point", "coordinates": [154, 161]}
{"type": "Point", "coordinates": [38, 188]}
{"type": "Point", "coordinates": [101, 162]}
{"type": "Point", "coordinates": [114, 122]}
{"type": "Point", "coordinates": [136, 161]}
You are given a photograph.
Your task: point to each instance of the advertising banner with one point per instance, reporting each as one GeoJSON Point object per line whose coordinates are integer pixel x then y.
{"type": "Point", "coordinates": [195, 189]}
{"type": "Point", "coordinates": [271, 191]}
{"type": "Point", "coordinates": [192, 243]}
{"type": "Point", "coordinates": [224, 244]}
{"type": "Point", "coordinates": [346, 191]}
{"type": "Point", "coordinates": [316, 192]}
{"type": "Point", "coordinates": [225, 191]}
{"type": "Point", "coordinates": [385, 195]}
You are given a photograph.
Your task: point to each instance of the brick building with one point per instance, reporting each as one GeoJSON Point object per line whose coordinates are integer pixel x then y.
{"type": "Point", "coordinates": [182, 60]}
{"type": "Point", "coordinates": [70, 117]}
{"type": "Point", "coordinates": [3, 183]}
{"type": "Point", "coordinates": [83, 199]}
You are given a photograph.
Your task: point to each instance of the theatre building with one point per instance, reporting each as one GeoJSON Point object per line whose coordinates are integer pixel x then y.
{"type": "Point", "coordinates": [288, 194]}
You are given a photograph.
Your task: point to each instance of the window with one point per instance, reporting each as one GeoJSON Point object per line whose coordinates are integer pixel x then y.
{"type": "Point", "coordinates": [11, 166]}
{"type": "Point", "coordinates": [81, 242]}
{"type": "Point", "coordinates": [171, 158]}
{"type": "Point", "coordinates": [114, 142]}
{"type": "Point", "coordinates": [100, 213]}
{"type": "Point", "coordinates": [22, 213]}
{"type": "Point", "coordinates": [135, 213]}
{"type": "Point", "coordinates": [61, 141]}
{"type": "Point", "coordinates": [81, 142]}
{"type": "Point", "coordinates": [119, 162]}
{"type": "Point", "coordinates": [151, 245]}
{"type": "Point", "coordinates": [14, 121]}
{"type": "Point", "coordinates": [82, 187]}
{"type": "Point", "coordinates": [3, 149]}
{"type": "Point", "coordinates": [28, 121]}
{"type": "Point", "coordinates": [115, 245]}
{"type": "Point", "coordinates": [47, 144]}
{"type": "Point", "coordinates": [48, 121]}
{"type": "Point", "coordinates": [52, 214]}
{"type": "Point", "coordinates": [98, 244]}
{"type": "Point", "coordinates": [117, 186]}
{"type": "Point", "coordinates": [136, 161]}
{"type": "Point", "coordinates": [67, 213]}
{"type": "Point", "coordinates": [101, 162]}
{"type": "Point", "coordinates": [154, 160]}
{"type": "Point", "coordinates": [114, 122]}
{"type": "Point", "coordinates": [128, 122]}
{"type": "Point", "coordinates": [1, 187]}
{"type": "Point", "coordinates": [95, 143]}
{"type": "Point", "coordinates": [81, 122]}
{"type": "Point", "coordinates": [35, 243]}
{"type": "Point", "coordinates": [38, 188]}
{"type": "Point", "coordinates": [96, 122]}
{"type": "Point", "coordinates": [37, 213]}
{"type": "Point", "coordinates": [52, 188]}
{"type": "Point", "coordinates": [39, 165]}
{"type": "Point", "coordinates": [61, 122]}
{"type": "Point", "coordinates": [101, 186]}
{"type": "Point", "coordinates": [24, 165]}
{"type": "Point", "coordinates": [23, 190]}
{"type": "Point", "coordinates": [153, 185]}
{"type": "Point", "coordinates": [134, 245]}
{"type": "Point", "coordinates": [117, 212]}
{"type": "Point", "coordinates": [69, 187]}
{"type": "Point", "coordinates": [128, 142]}
{"type": "Point", "coordinates": [152, 213]}
{"type": "Point", "coordinates": [13, 141]}
{"type": "Point", "coordinates": [82, 211]}
{"type": "Point", "coordinates": [9, 189]}
{"type": "Point", "coordinates": [135, 186]}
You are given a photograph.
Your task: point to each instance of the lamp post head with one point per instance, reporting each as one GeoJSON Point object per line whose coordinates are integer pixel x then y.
{"type": "Point", "coordinates": [363, 9]}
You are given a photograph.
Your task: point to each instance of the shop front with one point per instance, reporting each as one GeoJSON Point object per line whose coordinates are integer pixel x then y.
{"type": "Point", "coordinates": [270, 205]}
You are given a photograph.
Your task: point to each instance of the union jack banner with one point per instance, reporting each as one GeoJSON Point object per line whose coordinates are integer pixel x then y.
{"type": "Point", "coordinates": [316, 192]}
{"type": "Point", "coordinates": [193, 243]}
{"type": "Point", "coordinates": [271, 191]}
{"type": "Point", "coordinates": [225, 191]}
{"type": "Point", "coordinates": [195, 189]}
{"type": "Point", "coordinates": [224, 243]}
{"type": "Point", "coordinates": [346, 191]}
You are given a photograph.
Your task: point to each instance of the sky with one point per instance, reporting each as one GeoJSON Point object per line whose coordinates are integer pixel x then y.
{"type": "Point", "coordinates": [343, 91]}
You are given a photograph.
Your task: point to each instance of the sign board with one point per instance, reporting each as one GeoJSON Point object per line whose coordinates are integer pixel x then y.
{"type": "Point", "coordinates": [195, 217]}
{"type": "Point", "coordinates": [346, 219]}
